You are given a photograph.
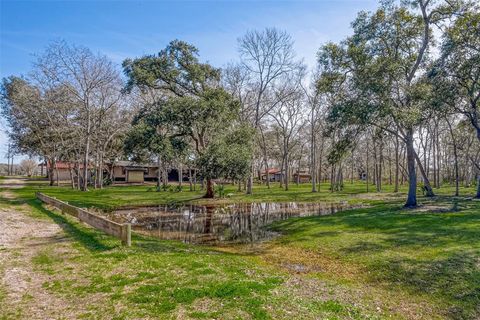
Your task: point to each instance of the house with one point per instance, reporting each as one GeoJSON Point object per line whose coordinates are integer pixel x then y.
{"type": "Point", "coordinates": [123, 171]}
{"type": "Point", "coordinates": [274, 175]}
{"type": "Point", "coordinates": [131, 172]}
{"type": "Point", "coordinates": [119, 171]}
{"type": "Point", "coordinates": [62, 170]}
{"type": "Point", "coordinates": [302, 176]}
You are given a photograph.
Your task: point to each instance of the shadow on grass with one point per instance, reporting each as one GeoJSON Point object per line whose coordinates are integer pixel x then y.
{"type": "Point", "coordinates": [7, 202]}
{"type": "Point", "coordinates": [96, 241]}
{"type": "Point", "coordinates": [398, 227]}
{"type": "Point", "coordinates": [363, 247]}
{"type": "Point", "coordinates": [455, 277]}
{"type": "Point", "coordinates": [88, 238]}
{"type": "Point", "coordinates": [432, 253]}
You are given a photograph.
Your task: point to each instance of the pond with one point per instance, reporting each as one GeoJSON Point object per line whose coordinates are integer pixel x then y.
{"type": "Point", "coordinates": [218, 223]}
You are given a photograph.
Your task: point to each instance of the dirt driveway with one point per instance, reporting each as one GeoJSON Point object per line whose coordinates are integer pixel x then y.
{"type": "Point", "coordinates": [23, 238]}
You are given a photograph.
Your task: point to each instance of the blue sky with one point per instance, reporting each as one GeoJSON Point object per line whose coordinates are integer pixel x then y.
{"type": "Point", "coordinates": [122, 29]}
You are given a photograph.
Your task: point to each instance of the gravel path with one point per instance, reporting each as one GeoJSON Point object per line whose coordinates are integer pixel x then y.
{"type": "Point", "coordinates": [23, 237]}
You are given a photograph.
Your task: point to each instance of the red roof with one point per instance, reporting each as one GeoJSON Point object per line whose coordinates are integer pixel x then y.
{"type": "Point", "coordinates": [65, 165]}
{"type": "Point", "coordinates": [271, 171]}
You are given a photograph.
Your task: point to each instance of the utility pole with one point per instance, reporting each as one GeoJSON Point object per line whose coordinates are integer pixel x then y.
{"type": "Point", "coordinates": [9, 172]}
{"type": "Point", "coordinates": [10, 160]}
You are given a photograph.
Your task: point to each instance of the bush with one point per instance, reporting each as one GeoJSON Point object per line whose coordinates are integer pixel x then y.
{"type": "Point", "coordinates": [220, 191]}
{"type": "Point", "coordinates": [107, 181]}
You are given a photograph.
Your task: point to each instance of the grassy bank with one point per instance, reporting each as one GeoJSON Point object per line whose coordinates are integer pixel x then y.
{"type": "Point", "coordinates": [380, 262]}
{"type": "Point", "coordinates": [115, 196]}
{"type": "Point", "coordinates": [431, 253]}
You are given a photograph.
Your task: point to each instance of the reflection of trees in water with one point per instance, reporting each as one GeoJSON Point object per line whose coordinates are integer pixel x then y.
{"type": "Point", "coordinates": [243, 222]}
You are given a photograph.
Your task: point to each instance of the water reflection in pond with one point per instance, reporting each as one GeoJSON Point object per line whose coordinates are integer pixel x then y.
{"type": "Point", "coordinates": [241, 222]}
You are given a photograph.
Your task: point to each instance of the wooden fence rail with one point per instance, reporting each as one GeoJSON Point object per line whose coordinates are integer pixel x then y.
{"type": "Point", "coordinates": [122, 231]}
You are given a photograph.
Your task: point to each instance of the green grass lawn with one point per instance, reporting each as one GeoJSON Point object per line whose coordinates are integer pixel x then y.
{"type": "Point", "coordinates": [116, 196]}
{"type": "Point", "coordinates": [379, 262]}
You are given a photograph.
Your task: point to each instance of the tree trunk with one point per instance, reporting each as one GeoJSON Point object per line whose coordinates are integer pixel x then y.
{"type": "Point", "coordinates": [8, 161]}
{"type": "Point", "coordinates": [79, 178]}
{"type": "Point", "coordinates": [412, 174]}
{"type": "Point", "coordinates": [434, 153]}
{"type": "Point", "coordinates": [403, 153]}
{"type": "Point", "coordinates": [180, 176]}
{"type": "Point", "coordinates": [478, 186]}
{"type": "Point", "coordinates": [375, 163]}
{"type": "Point", "coordinates": [85, 156]}
{"type": "Point", "coordinates": [286, 171]}
{"type": "Point", "coordinates": [320, 158]}
{"type": "Point", "coordinates": [367, 173]}
{"type": "Point", "coordinates": [51, 169]}
{"type": "Point", "coordinates": [455, 157]}
{"type": "Point", "coordinates": [282, 172]}
{"type": "Point", "coordinates": [100, 170]}
{"type": "Point", "coordinates": [194, 179]}
{"type": "Point", "coordinates": [159, 173]}
{"type": "Point", "coordinates": [439, 160]}
{"type": "Point", "coordinates": [250, 180]}
{"type": "Point", "coordinates": [165, 178]}
{"type": "Point", "coordinates": [339, 178]}
{"type": "Point", "coordinates": [267, 173]}
{"type": "Point", "coordinates": [210, 190]}
{"type": "Point", "coordinates": [265, 158]}
{"type": "Point", "coordinates": [378, 175]}
{"type": "Point", "coordinates": [297, 181]}
{"type": "Point", "coordinates": [397, 165]}
{"type": "Point", "coordinates": [332, 178]}
{"type": "Point", "coordinates": [380, 166]}
{"type": "Point", "coordinates": [475, 120]}
{"type": "Point", "coordinates": [353, 166]}
{"type": "Point", "coordinates": [190, 179]}
{"type": "Point", "coordinates": [72, 179]}
{"type": "Point", "coordinates": [56, 173]}
{"type": "Point", "coordinates": [428, 187]}
{"type": "Point", "coordinates": [390, 174]}
{"type": "Point", "coordinates": [95, 170]}
{"type": "Point", "coordinates": [313, 165]}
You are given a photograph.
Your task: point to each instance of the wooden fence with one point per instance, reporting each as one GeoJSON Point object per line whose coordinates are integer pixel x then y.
{"type": "Point", "coordinates": [122, 231]}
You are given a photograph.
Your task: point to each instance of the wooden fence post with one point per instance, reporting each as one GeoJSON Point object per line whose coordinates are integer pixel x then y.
{"type": "Point", "coordinates": [119, 230]}
{"type": "Point", "coordinates": [127, 234]}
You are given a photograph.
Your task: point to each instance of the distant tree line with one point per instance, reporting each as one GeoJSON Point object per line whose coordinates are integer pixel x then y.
{"type": "Point", "coordinates": [390, 104]}
{"type": "Point", "coordinates": [69, 108]}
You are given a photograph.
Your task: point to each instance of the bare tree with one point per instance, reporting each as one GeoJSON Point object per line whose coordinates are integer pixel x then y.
{"type": "Point", "coordinates": [266, 55]}
{"type": "Point", "coordinates": [91, 79]}
{"type": "Point", "coordinates": [314, 102]}
{"type": "Point", "coordinates": [28, 166]}
{"type": "Point", "coordinates": [288, 118]}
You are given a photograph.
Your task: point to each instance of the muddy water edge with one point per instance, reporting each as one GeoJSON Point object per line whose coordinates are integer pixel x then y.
{"type": "Point", "coordinates": [218, 223]}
